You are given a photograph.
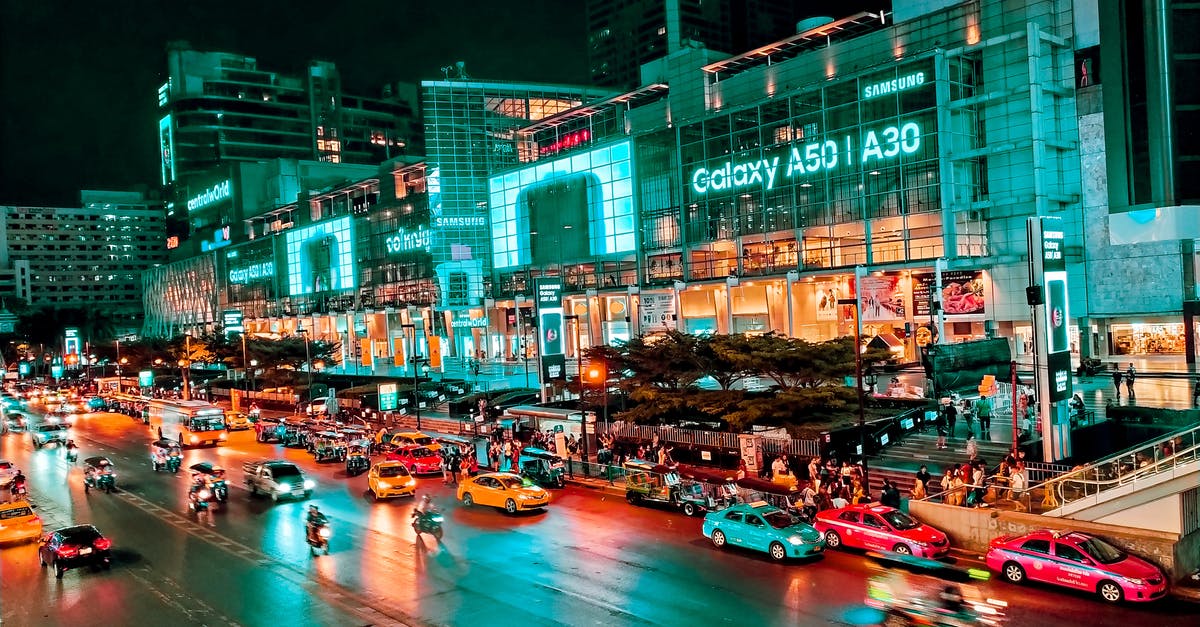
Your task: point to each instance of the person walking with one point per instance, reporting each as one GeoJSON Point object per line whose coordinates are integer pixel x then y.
{"type": "Point", "coordinates": [983, 409]}
{"type": "Point", "coordinates": [923, 475]}
{"type": "Point", "coordinates": [1117, 376]}
{"type": "Point", "coordinates": [918, 491]}
{"type": "Point", "coordinates": [972, 447]}
{"type": "Point", "coordinates": [1129, 376]}
{"type": "Point", "coordinates": [950, 416]}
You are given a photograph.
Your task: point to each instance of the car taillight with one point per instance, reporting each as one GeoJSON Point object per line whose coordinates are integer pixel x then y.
{"type": "Point", "coordinates": [102, 544]}
{"type": "Point", "coordinates": [67, 551]}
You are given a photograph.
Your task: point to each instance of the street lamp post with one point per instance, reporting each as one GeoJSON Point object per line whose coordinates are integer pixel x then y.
{"type": "Point", "coordinates": [858, 383]}
{"type": "Point", "coordinates": [184, 366]}
{"type": "Point", "coordinates": [253, 369]}
{"type": "Point", "coordinates": [307, 360]}
{"type": "Point", "coordinates": [243, 360]}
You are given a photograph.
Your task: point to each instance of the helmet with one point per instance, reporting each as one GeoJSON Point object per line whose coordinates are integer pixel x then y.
{"type": "Point", "coordinates": [426, 498]}
{"type": "Point", "coordinates": [313, 508]}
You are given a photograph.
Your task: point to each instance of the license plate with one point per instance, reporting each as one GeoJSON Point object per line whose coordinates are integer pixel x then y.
{"type": "Point", "coordinates": [85, 551]}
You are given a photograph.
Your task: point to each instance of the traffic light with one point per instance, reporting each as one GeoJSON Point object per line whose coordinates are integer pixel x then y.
{"type": "Point", "coordinates": [595, 373]}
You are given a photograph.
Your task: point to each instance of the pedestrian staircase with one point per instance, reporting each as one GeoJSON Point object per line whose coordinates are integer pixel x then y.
{"type": "Point", "coordinates": [1136, 476]}
{"type": "Point", "coordinates": [900, 462]}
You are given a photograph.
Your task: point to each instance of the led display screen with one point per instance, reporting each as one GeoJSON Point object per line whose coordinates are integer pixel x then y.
{"type": "Point", "coordinates": [569, 208]}
{"type": "Point", "coordinates": [320, 258]}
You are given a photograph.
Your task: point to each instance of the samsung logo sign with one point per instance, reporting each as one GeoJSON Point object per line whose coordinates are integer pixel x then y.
{"type": "Point", "coordinates": [908, 81]}
{"type": "Point", "coordinates": [442, 222]}
{"type": "Point", "coordinates": [216, 193]}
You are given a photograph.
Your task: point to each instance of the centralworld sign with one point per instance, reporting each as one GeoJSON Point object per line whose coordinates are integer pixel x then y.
{"type": "Point", "coordinates": [216, 193]}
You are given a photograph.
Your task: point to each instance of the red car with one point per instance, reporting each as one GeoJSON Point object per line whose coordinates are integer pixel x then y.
{"type": "Point", "coordinates": [880, 528]}
{"type": "Point", "coordinates": [419, 460]}
{"type": "Point", "coordinates": [1076, 560]}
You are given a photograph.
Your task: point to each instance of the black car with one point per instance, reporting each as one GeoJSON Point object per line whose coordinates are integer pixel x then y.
{"type": "Point", "coordinates": [46, 433]}
{"type": "Point", "coordinates": [522, 396]}
{"type": "Point", "coordinates": [72, 547]}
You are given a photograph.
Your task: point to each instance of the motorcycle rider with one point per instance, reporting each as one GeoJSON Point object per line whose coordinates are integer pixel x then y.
{"type": "Point", "coordinates": [314, 521]}
{"type": "Point", "coordinates": [951, 598]}
{"type": "Point", "coordinates": [72, 450]}
{"type": "Point", "coordinates": [426, 506]}
{"type": "Point", "coordinates": [18, 485]}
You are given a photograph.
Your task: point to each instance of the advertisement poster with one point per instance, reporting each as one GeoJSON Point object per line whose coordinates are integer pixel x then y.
{"type": "Point", "coordinates": [962, 293]}
{"type": "Point", "coordinates": [827, 297]}
{"type": "Point", "coordinates": [550, 328]}
{"type": "Point", "coordinates": [881, 298]}
{"type": "Point", "coordinates": [657, 312]}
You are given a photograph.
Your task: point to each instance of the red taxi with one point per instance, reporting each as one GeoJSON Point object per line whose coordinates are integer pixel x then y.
{"type": "Point", "coordinates": [419, 460]}
{"type": "Point", "coordinates": [881, 528]}
{"type": "Point", "coordinates": [1076, 560]}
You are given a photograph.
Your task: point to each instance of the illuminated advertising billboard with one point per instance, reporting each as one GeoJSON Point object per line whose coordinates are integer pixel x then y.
{"type": "Point", "coordinates": [863, 126]}
{"type": "Point", "coordinates": [166, 149]}
{"type": "Point", "coordinates": [575, 207]}
{"type": "Point", "coordinates": [1054, 273]}
{"type": "Point", "coordinates": [550, 328]}
{"type": "Point", "coordinates": [320, 258]}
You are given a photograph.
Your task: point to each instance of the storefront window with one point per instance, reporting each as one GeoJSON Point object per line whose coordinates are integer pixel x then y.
{"type": "Point", "coordinates": [1143, 339]}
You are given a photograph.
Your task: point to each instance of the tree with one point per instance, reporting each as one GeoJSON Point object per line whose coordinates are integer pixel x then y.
{"type": "Point", "coordinates": [726, 358]}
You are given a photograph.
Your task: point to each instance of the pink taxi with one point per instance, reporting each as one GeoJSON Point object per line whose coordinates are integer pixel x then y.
{"type": "Point", "coordinates": [880, 528]}
{"type": "Point", "coordinates": [1076, 560]}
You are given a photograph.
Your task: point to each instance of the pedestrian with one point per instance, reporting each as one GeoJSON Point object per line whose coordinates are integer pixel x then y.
{"type": "Point", "coordinates": [859, 494]}
{"type": "Point", "coordinates": [983, 409]}
{"type": "Point", "coordinates": [1017, 480]}
{"type": "Point", "coordinates": [1117, 376]}
{"type": "Point", "coordinates": [814, 469]}
{"type": "Point", "coordinates": [455, 468]}
{"type": "Point", "coordinates": [918, 491]}
{"type": "Point", "coordinates": [890, 496]}
{"type": "Point", "coordinates": [946, 484]}
{"type": "Point", "coordinates": [1129, 376]}
{"type": "Point", "coordinates": [923, 474]}
{"type": "Point", "coordinates": [1196, 393]}
{"type": "Point", "coordinates": [940, 425]}
{"type": "Point", "coordinates": [445, 466]}
{"type": "Point", "coordinates": [972, 447]}
{"type": "Point", "coordinates": [573, 448]}
{"type": "Point", "coordinates": [779, 467]}
{"type": "Point", "coordinates": [842, 499]}
{"type": "Point", "coordinates": [743, 469]}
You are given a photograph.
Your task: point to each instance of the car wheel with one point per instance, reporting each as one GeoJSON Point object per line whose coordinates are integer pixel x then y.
{"type": "Point", "coordinates": [1013, 572]}
{"type": "Point", "coordinates": [510, 506]}
{"type": "Point", "coordinates": [832, 539]}
{"type": "Point", "coordinates": [42, 558]}
{"type": "Point", "coordinates": [718, 539]}
{"type": "Point", "coordinates": [689, 509]}
{"type": "Point", "coordinates": [902, 549]}
{"type": "Point", "coordinates": [274, 496]}
{"type": "Point", "coordinates": [437, 534]}
{"type": "Point", "coordinates": [777, 551]}
{"type": "Point", "coordinates": [1110, 592]}
{"type": "Point", "coordinates": [58, 571]}
{"type": "Point", "coordinates": [374, 495]}
{"type": "Point", "coordinates": [467, 499]}
{"type": "Point", "coordinates": [107, 565]}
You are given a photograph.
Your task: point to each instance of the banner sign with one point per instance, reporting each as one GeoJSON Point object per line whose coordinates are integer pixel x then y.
{"type": "Point", "coordinates": [827, 297]}
{"type": "Point", "coordinates": [880, 298]}
{"type": "Point", "coordinates": [231, 319]}
{"type": "Point", "coordinates": [657, 312]}
{"type": "Point", "coordinates": [550, 328]}
{"type": "Point", "coordinates": [146, 378]}
{"type": "Point", "coordinates": [389, 397]}
{"type": "Point", "coordinates": [962, 293]}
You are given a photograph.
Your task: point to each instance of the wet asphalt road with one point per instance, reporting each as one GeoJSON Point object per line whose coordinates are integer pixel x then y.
{"type": "Point", "coordinates": [591, 559]}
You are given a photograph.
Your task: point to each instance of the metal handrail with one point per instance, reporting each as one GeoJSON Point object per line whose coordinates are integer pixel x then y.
{"type": "Point", "coordinates": [1138, 447]}
{"type": "Point", "coordinates": [1117, 478]}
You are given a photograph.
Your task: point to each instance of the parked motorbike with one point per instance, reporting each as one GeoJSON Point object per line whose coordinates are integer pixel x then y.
{"type": "Point", "coordinates": [428, 522]}
{"type": "Point", "coordinates": [318, 537]}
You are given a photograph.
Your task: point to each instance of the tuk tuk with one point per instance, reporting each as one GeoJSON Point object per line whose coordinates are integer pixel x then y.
{"type": "Point", "coordinates": [785, 496]}
{"type": "Point", "coordinates": [542, 467]}
{"type": "Point", "coordinates": [358, 458]}
{"type": "Point", "coordinates": [166, 455]}
{"type": "Point", "coordinates": [706, 489]}
{"type": "Point", "coordinates": [327, 445]}
{"type": "Point", "coordinates": [292, 433]}
{"type": "Point", "coordinates": [214, 478]}
{"type": "Point", "coordinates": [98, 473]}
{"type": "Point", "coordinates": [649, 482]}
{"type": "Point", "coordinates": [268, 430]}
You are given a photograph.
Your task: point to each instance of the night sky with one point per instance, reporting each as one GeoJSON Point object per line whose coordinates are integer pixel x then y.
{"type": "Point", "coordinates": [78, 80]}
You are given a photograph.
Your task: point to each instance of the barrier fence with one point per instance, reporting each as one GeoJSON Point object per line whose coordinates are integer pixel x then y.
{"type": "Point", "coordinates": [716, 439]}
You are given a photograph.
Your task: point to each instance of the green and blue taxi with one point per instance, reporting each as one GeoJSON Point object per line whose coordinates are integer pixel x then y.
{"type": "Point", "coordinates": [763, 527]}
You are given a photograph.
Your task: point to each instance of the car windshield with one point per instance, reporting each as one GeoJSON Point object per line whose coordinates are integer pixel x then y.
{"type": "Point", "coordinates": [900, 520]}
{"type": "Point", "coordinates": [423, 441]}
{"type": "Point", "coordinates": [512, 483]}
{"type": "Point", "coordinates": [1102, 551]}
{"type": "Point", "coordinates": [48, 428]}
{"type": "Point", "coordinates": [213, 423]}
{"type": "Point", "coordinates": [422, 452]}
{"type": "Point", "coordinates": [393, 471]}
{"type": "Point", "coordinates": [15, 512]}
{"type": "Point", "coordinates": [779, 519]}
{"type": "Point", "coordinates": [285, 471]}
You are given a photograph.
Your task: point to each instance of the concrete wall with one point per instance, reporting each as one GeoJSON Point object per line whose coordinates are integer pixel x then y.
{"type": "Point", "coordinates": [1162, 514]}
{"type": "Point", "coordinates": [974, 529]}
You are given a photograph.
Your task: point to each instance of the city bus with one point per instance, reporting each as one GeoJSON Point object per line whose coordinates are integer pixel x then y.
{"type": "Point", "coordinates": [191, 423]}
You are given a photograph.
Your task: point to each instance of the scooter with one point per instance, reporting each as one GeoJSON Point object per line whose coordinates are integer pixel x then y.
{"type": "Point", "coordinates": [18, 490]}
{"type": "Point", "coordinates": [173, 463]}
{"type": "Point", "coordinates": [428, 522]}
{"type": "Point", "coordinates": [318, 538]}
{"type": "Point", "coordinates": [198, 500]}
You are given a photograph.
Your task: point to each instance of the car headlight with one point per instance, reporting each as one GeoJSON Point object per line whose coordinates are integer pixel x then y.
{"type": "Point", "coordinates": [919, 543]}
{"type": "Point", "coordinates": [1135, 581]}
{"type": "Point", "coordinates": [222, 435]}
{"type": "Point", "coordinates": [309, 484]}
{"type": "Point", "coordinates": [283, 487]}
{"type": "Point", "coordinates": [204, 495]}
{"type": "Point", "coordinates": [325, 532]}
{"type": "Point", "coordinates": [410, 481]}
{"type": "Point", "coordinates": [384, 485]}
{"type": "Point", "coordinates": [193, 439]}
{"type": "Point", "coordinates": [797, 540]}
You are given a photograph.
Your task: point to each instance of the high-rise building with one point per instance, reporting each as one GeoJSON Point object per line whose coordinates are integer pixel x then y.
{"type": "Point", "coordinates": [219, 107]}
{"type": "Point", "coordinates": [624, 34]}
{"type": "Point", "coordinates": [90, 256]}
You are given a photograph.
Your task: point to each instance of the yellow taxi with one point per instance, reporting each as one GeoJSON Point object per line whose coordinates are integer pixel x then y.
{"type": "Point", "coordinates": [390, 479]}
{"type": "Point", "coordinates": [413, 438]}
{"type": "Point", "coordinates": [18, 522]}
{"type": "Point", "coordinates": [504, 490]}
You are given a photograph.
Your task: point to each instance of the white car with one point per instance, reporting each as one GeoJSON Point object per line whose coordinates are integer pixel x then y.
{"type": "Point", "coordinates": [318, 407]}
{"type": "Point", "coordinates": [7, 472]}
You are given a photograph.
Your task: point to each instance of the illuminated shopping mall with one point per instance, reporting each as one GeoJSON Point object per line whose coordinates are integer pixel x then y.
{"type": "Point", "coordinates": [878, 155]}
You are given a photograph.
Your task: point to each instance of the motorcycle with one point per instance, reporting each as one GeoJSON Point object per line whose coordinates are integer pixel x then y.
{"type": "Point", "coordinates": [99, 475]}
{"type": "Point", "coordinates": [174, 461]}
{"type": "Point", "coordinates": [318, 537]}
{"type": "Point", "coordinates": [198, 499]}
{"type": "Point", "coordinates": [72, 454]}
{"type": "Point", "coordinates": [18, 490]}
{"type": "Point", "coordinates": [428, 522]}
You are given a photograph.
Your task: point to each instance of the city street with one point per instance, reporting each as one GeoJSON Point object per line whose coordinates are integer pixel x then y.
{"type": "Point", "coordinates": [591, 559]}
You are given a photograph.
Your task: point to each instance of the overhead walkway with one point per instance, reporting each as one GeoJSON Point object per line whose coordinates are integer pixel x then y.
{"type": "Point", "coordinates": [1133, 484]}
